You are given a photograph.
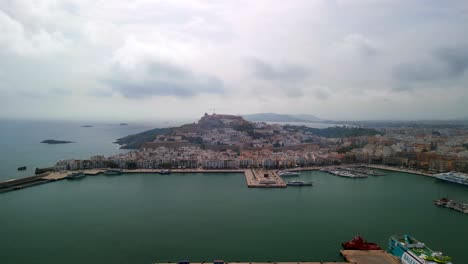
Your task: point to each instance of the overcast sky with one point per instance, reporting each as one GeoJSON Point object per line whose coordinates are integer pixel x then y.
{"type": "Point", "coordinates": [147, 59]}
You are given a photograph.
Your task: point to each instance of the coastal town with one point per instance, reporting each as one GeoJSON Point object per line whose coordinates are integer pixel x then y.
{"type": "Point", "coordinates": [230, 142]}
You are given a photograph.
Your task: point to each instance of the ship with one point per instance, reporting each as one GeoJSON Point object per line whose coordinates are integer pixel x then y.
{"type": "Point", "coordinates": [76, 176]}
{"type": "Point", "coordinates": [22, 168]}
{"type": "Point", "coordinates": [453, 176]}
{"type": "Point", "coordinates": [298, 183]}
{"type": "Point", "coordinates": [113, 172]}
{"type": "Point", "coordinates": [164, 172]}
{"type": "Point", "coordinates": [411, 251]}
{"type": "Point", "coordinates": [285, 173]}
{"type": "Point", "coordinates": [359, 243]}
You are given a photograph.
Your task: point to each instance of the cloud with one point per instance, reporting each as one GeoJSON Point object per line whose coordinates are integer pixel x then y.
{"type": "Point", "coordinates": [322, 93]}
{"type": "Point", "coordinates": [17, 38]}
{"type": "Point", "coordinates": [445, 65]}
{"type": "Point", "coordinates": [101, 93]}
{"type": "Point", "coordinates": [333, 55]}
{"type": "Point", "coordinates": [360, 44]}
{"type": "Point", "coordinates": [289, 79]}
{"type": "Point", "coordinates": [281, 72]}
{"type": "Point", "coordinates": [60, 92]}
{"type": "Point", "coordinates": [155, 78]}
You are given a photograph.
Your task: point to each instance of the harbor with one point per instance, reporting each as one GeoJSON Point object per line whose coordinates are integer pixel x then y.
{"type": "Point", "coordinates": [255, 178]}
{"type": "Point", "coordinates": [355, 172]}
{"type": "Point", "coordinates": [255, 221]}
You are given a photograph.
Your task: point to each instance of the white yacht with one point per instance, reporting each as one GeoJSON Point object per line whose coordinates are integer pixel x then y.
{"type": "Point", "coordinates": [286, 173]}
{"type": "Point", "coordinates": [453, 176]}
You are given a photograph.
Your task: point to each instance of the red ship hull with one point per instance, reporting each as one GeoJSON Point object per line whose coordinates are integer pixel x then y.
{"type": "Point", "coordinates": [358, 243]}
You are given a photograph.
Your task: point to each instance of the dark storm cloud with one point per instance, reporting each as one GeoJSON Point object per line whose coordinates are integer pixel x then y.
{"type": "Point", "coordinates": [448, 64]}
{"type": "Point", "coordinates": [159, 79]}
{"type": "Point", "coordinates": [285, 72]}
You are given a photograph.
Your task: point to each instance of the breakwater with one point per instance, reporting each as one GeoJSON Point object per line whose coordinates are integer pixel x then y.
{"type": "Point", "coordinates": [17, 184]}
{"type": "Point", "coordinates": [350, 256]}
{"type": "Point", "coordinates": [255, 178]}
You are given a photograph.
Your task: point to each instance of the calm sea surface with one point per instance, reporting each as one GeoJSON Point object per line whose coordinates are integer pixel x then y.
{"type": "Point", "coordinates": [20, 143]}
{"type": "Point", "coordinates": [156, 218]}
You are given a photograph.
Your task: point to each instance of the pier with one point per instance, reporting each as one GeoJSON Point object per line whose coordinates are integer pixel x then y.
{"type": "Point", "coordinates": [260, 178]}
{"type": "Point", "coordinates": [17, 184]}
{"type": "Point", "coordinates": [255, 178]}
{"type": "Point", "coordinates": [389, 168]}
{"type": "Point", "coordinates": [350, 256]}
{"type": "Point", "coordinates": [369, 257]}
{"type": "Point", "coordinates": [182, 262]}
{"type": "Point", "coordinates": [451, 204]}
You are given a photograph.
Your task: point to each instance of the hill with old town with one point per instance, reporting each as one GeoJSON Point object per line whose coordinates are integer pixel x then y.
{"type": "Point", "coordinates": [229, 142]}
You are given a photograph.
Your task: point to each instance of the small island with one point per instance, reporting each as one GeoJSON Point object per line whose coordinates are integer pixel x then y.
{"type": "Point", "coordinates": [123, 124]}
{"type": "Point", "coordinates": [87, 126]}
{"type": "Point", "coordinates": [53, 141]}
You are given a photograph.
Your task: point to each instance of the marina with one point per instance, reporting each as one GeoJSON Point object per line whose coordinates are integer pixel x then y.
{"type": "Point", "coordinates": [454, 177]}
{"type": "Point", "coordinates": [344, 172]}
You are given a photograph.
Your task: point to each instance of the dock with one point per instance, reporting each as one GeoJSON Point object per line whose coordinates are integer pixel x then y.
{"type": "Point", "coordinates": [217, 262]}
{"type": "Point", "coordinates": [451, 204]}
{"type": "Point", "coordinates": [184, 171]}
{"type": "Point", "coordinates": [18, 184]}
{"type": "Point", "coordinates": [389, 168]}
{"type": "Point", "coordinates": [56, 175]}
{"type": "Point", "coordinates": [351, 257]}
{"type": "Point", "coordinates": [369, 257]}
{"type": "Point", "coordinates": [260, 178]}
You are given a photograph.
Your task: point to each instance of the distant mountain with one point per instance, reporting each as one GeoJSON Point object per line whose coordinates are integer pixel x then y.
{"type": "Point", "coordinates": [272, 117]}
{"type": "Point", "coordinates": [307, 117]}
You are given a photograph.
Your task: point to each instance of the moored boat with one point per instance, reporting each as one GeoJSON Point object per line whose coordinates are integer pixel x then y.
{"type": "Point", "coordinates": [285, 173]}
{"type": "Point", "coordinates": [113, 172]}
{"type": "Point", "coordinates": [455, 177]}
{"type": "Point", "coordinates": [411, 251]}
{"type": "Point", "coordinates": [76, 176]}
{"type": "Point", "coordinates": [359, 243]}
{"type": "Point", "coordinates": [165, 172]}
{"type": "Point", "coordinates": [298, 183]}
